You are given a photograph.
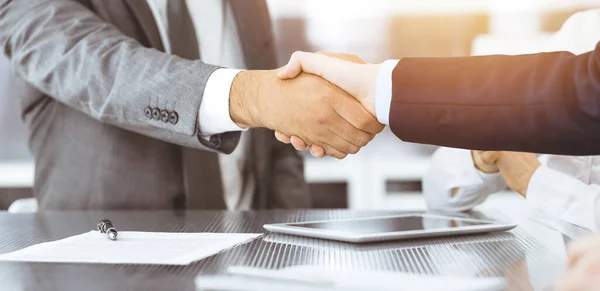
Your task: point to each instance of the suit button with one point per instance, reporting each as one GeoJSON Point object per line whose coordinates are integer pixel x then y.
{"type": "Point", "coordinates": [148, 112]}
{"type": "Point", "coordinates": [173, 117]}
{"type": "Point", "coordinates": [156, 113]}
{"type": "Point", "coordinates": [164, 116]}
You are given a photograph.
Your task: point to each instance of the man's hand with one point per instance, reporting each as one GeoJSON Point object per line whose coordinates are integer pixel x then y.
{"type": "Point", "coordinates": [517, 169]}
{"type": "Point", "coordinates": [308, 107]}
{"type": "Point", "coordinates": [486, 161]}
{"type": "Point", "coordinates": [303, 62]}
{"type": "Point", "coordinates": [583, 272]}
{"type": "Point", "coordinates": [358, 79]}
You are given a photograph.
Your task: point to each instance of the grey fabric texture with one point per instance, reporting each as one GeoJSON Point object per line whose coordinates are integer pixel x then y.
{"type": "Point", "coordinates": [87, 71]}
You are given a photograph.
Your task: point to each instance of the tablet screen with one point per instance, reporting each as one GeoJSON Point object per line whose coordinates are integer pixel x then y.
{"type": "Point", "coordinates": [391, 224]}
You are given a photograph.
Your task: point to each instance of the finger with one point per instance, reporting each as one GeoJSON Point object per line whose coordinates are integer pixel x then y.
{"type": "Point", "coordinates": [331, 151]}
{"type": "Point", "coordinates": [298, 143]}
{"type": "Point", "coordinates": [331, 69]}
{"type": "Point", "coordinates": [317, 151]}
{"type": "Point", "coordinates": [291, 70]}
{"type": "Point", "coordinates": [349, 133]}
{"type": "Point", "coordinates": [580, 247]}
{"type": "Point", "coordinates": [333, 145]}
{"type": "Point", "coordinates": [489, 157]}
{"type": "Point", "coordinates": [345, 57]}
{"type": "Point", "coordinates": [282, 137]}
{"type": "Point", "coordinates": [359, 117]}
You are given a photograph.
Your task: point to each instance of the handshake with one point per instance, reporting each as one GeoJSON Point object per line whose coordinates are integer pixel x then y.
{"type": "Point", "coordinates": [323, 102]}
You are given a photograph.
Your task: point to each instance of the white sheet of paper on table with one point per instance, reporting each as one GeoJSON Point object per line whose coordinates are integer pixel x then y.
{"type": "Point", "coordinates": [156, 248]}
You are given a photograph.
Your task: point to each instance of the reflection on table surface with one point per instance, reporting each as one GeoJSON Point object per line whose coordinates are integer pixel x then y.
{"type": "Point", "coordinates": [519, 255]}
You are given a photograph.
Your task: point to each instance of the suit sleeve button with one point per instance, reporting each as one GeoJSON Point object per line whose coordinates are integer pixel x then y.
{"type": "Point", "coordinates": [215, 140]}
{"type": "Point", "coordinates": [173, 117]}
{"type": "Point", "coordinates": [164, 116]}
{"type": "Point", "coordinates": [156, 113]}
{"type": "Point", "coordinates": [148, 112]}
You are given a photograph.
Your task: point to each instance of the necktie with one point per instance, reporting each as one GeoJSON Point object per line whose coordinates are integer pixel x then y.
{"type": "Point", "coordinates": [201, 170]}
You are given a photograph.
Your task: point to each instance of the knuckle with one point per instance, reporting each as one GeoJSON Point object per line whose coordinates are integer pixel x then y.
{"type": "Point", "coordinates": [364, 121]}
{"type": "Point", "coordinates": [365, 139]}
{"type": "Point", "coordinates": [297, 54]}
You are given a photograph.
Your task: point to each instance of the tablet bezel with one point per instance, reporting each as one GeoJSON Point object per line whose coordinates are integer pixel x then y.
{"type": "Point", "coordinates": [347, 236]}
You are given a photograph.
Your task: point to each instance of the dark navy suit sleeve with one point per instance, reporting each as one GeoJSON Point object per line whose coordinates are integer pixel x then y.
{"type": "Point", "coordinates": [542, 103]}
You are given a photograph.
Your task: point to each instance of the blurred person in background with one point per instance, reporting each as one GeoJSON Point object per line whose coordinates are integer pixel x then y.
{"type": "Point", "coordinates": [583, 271]}
{"type": "Point", "coordinates": [561, 187]}
{"type": "Point", "coordinates": [564, 188]}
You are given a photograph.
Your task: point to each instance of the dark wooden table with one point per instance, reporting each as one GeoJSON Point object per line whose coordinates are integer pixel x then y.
{"type": "Point", "coordinates": [517, 256]}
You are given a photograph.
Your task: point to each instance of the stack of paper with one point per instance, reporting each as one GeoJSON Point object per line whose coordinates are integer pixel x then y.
{"type": "Point", "coordinates": [160, 248]}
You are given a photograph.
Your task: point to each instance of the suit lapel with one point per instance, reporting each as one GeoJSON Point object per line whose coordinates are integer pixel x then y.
{"type": "Point", "coordinates": [256, 33]}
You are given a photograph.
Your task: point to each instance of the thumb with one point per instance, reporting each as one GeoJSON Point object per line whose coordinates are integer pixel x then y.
{"type": "Point", "coordinates": [320, 64]}
{"type": "Point", "coordinates": [336, 71]}
{"type": "Point", "coordinates": [346, 57]}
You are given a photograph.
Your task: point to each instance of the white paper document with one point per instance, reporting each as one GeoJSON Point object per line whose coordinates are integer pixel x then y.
{"type": "Point", "coordinates": [157, 248]}
{"type": "Point", "coordinates": [300, 278]}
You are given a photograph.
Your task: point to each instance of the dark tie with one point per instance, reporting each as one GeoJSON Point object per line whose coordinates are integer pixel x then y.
{"type": "Point", "coordinates": [201, 170]}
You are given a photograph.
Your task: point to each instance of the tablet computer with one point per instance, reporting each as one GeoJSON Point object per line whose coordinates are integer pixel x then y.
{"type": "Point", "coordinates": [373, 229]}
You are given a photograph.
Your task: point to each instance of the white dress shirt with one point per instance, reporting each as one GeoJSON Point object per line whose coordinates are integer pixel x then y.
{"type": "Point", "coordinates": [219, 44]}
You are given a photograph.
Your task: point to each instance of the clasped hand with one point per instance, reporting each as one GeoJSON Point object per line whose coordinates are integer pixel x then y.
{"type": "Point", "coordinates": [310, 100]}
{"type": "Point", "coordinates": [347, 72]}
{"type": "Point", "coordinates": [516, 168]}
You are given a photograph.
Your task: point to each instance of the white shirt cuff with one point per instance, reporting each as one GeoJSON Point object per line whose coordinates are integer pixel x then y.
{"type": "Point", "coordinates": [214, 115]}
{"type": "Point", "coordinates": [383, 91]}
{"type": "Point", "coordinates": [555, 195]}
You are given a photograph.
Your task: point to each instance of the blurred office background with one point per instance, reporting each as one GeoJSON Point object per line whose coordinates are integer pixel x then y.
{"type": "Point", "coordinates": [387, 173]}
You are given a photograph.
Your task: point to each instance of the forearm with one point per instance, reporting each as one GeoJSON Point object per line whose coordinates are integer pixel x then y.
{"type": "Point", "coordinates": [499, 102]}
{"type": "Point", "coordinates": [67, 52]}
{"type": "Point", "coordinates": [246, 89]}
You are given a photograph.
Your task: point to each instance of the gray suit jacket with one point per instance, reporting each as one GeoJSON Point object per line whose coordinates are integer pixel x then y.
{"type": "Point", "coordinates": [88, 72]}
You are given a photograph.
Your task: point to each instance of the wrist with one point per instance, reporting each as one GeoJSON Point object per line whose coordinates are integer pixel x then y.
{"type": "Point", "coordinates": [367, 96]}
{"type": "Point", "coordinates": [526, 179]}
{"type": "Point", "coordinates": [244, 98]}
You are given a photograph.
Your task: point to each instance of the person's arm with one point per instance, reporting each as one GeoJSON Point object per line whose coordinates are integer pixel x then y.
{"type": "Point", "coordinates": [289, 189]}
{"type": "Point", "coordinates": [556, 195]}
{"type": "Point", "coordinates": [542, 103]}
{"type": "Point", "coordinates": [453, 183]}
{"type": "Point", "coordinates": [69, 53]}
